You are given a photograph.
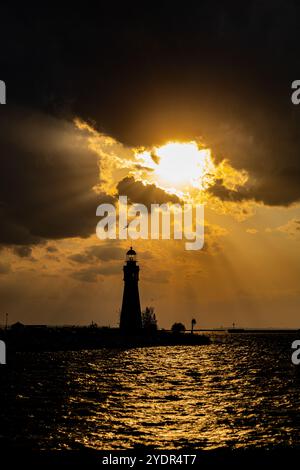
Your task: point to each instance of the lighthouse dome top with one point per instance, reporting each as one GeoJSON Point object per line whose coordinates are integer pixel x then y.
{"type": "Point", "coordinates": [131, 255]}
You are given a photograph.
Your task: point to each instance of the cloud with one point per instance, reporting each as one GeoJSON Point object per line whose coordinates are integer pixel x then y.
{"type": "Point", "coordinates": [51, 249]}
{"type": "Point", "coordinates": [219, 190]}
{"type": "Point", "coordinates": [161, 277]}
{"type": "Point", "coordinates": [47, 176]}
{"type": "Point", "coordinates": [291, 228]}
{"type": "Point", "coordinates": [98, 252]}
{"type": "Point", "coordinates": [243, 112]}
{"type": "Point", "coordinates": [147, 194]}
{"type": "Point", "coordinates": [103, 260]}
{"type": "Point", "coordinates": [85, 275]}
{"type": "Point", "coordinates": [23, 251]}
{"type": "Point", "coordinates": [5, 268]}
{"type": "Point", "coordinates": [92, 273]}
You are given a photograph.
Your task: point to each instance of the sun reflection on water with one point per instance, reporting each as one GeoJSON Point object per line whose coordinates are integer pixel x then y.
{"type": "Point", "coordinates": [237, 393]}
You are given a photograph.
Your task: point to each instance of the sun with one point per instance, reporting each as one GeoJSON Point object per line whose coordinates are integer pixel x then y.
{"type": "Point", "coordinates": [177, 165]}
{"type": "Point", "coordinates": [181, 164]}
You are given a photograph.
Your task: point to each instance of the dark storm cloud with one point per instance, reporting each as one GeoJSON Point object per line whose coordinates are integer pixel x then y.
{"type": "Point", "coordinates": [46, 178]}
{"type": "Point", "coordinates": [276, 189]}
{"type": "Point", "coordinates": [148, 194]}
{"type": "Point", "coordinates": [150, 73]}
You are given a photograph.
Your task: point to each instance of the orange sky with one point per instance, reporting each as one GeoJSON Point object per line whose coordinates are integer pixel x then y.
{"type": "Point", "coordinates": [247, 273]}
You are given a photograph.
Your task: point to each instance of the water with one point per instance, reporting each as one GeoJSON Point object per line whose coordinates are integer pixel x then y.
{"type": "Point", "coordinates": [240, 391]}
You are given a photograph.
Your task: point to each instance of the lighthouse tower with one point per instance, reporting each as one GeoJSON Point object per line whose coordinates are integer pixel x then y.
{"type": "Point", "coordinates": [131, 318]}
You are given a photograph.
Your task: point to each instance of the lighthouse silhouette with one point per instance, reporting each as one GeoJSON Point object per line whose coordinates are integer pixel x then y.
{"type": "Point", "coordinates": [131, 318]}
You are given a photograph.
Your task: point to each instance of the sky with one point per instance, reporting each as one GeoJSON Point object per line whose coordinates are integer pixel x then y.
{"type": "Point", "coordinates": [162, 103]}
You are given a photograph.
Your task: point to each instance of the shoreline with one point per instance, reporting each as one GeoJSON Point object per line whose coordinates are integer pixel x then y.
{"type": "Point", "coordinates": [47, 339]}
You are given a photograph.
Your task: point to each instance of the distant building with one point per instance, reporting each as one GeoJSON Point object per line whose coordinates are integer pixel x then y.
{"type": "Point", "coordinates": [131, 318]}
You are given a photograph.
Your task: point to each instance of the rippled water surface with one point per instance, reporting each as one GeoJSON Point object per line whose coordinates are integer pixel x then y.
{"type": "Point", "coordinates": [240, 391]}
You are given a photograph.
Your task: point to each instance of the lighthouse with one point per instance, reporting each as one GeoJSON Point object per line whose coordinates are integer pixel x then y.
{"type": "Point", "coordinates": [131, 318]}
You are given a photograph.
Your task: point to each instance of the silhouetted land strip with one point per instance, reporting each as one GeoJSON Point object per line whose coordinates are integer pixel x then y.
{"type": "Point", "coordinates": [247, 330]}
{"type": "Point", "coordinates": [43, 338]}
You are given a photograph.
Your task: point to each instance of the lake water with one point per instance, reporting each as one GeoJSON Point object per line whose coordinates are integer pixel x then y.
{"type": "Point", "coordinates": [240, 391]}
